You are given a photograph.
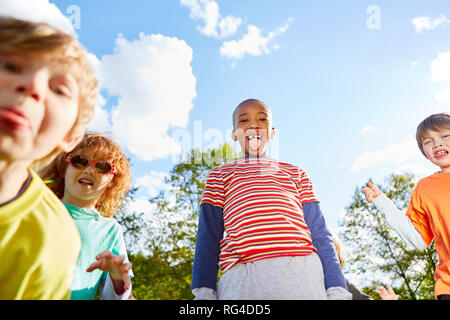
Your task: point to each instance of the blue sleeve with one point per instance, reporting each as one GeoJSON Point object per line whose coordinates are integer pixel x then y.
{"type": "Point", "coordinates": [207, 248]}
{"type": "Point", "coordinates": [322, 240]}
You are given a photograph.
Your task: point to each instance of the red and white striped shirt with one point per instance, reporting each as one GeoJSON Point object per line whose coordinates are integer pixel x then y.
{"type": "Point", "coordinates": [262, 209]}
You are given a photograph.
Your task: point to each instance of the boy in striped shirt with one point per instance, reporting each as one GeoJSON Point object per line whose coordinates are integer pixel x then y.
{"type": "Point", "coordinates": [276, 243]}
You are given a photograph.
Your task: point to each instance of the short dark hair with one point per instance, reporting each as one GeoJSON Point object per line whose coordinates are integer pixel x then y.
{"type": "Point", "coordinates": [244, 103]}
{"type": "Point", "coordinates": [435, 122]}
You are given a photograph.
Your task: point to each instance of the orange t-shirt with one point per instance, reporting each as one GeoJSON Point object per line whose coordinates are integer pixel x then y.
{"type": "Point", "coordinates": [429, 211]}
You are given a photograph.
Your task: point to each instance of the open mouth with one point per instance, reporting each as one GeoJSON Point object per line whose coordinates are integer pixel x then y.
{"type": "Point", "coordinates": [254, 142]}
{"type": "Point", "coordinates": [13, 119]}
{"type": "Point", "coordinates": [440, 154]}
{"type": "Point", "coordinates": [86, 182]}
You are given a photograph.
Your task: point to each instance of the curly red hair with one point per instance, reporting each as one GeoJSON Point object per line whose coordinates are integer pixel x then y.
{"type": "Point", "coordinates": [102, 147]}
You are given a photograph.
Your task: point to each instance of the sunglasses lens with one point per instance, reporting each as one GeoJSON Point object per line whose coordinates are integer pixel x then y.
{"type": "Point", "coordinates": [79, 162]}
{"type": "Point", "coordinates": [103, 167]}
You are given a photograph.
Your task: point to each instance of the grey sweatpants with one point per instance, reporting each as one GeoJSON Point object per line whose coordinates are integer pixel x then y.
{"type": "Point", "coordinates": [281, 278]}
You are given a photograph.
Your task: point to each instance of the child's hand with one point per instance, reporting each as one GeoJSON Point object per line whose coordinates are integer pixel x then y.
{"type": "Point", "coordinates": [118, 270]}
{"type": "Point", "coordinates": [387, 295]}
{"type": "Point", "coordinates": [371, 192]}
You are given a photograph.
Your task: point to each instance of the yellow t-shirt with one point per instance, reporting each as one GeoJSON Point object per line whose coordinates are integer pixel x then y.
{"type": "Point", "coordinates": [39, 245]}
{"type": "Point", "coordinates": [429, 211]}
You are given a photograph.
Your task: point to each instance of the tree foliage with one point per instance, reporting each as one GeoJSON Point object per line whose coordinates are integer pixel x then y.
{"type": "Point", "coordinates": [377, 253]}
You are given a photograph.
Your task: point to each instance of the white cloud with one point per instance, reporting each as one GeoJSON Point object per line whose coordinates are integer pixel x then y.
{"type": "Point", "coordinates": [153, 80]}
{"type": "Point", "coordinates": [391, 154]}
{"type": "Point", "coordinates": [229, 26]}
{"type": "Point", "coordinates": [100, 121]}
{"type": "Point", "coordinates": [342, 214]}
{"type": "Point", "coordinates": [37, 11]}
{"type": "Point", "coordinates": [417, 170]}
{"type": "Point", "coordinates": [427, 23]}
{"type": "Point", "coordinates": [208, 11]}
{"type": "Point", "coordinates": [368, 129]}
{"type": "Point", "coordinates": [140, 205]}
{"type": "Point", "coordinates": [440, 68]}
{"type": "Point", "coordinates": [253, 42]}
{"type": "Point", "coordinates": [443, 95]}
{"type": "Point", "coordinates": [153, 182]}
{"type": "Point", "coordinates": [440, 72]}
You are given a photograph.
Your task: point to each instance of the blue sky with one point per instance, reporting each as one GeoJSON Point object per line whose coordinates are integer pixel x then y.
{"type": "Point", "coordinates": [347, 81]}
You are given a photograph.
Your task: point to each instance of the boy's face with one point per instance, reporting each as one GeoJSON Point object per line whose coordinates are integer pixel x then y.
{"type": "Point", "coordinates": [436, 145]}
{"type": "Point", "coordinates": [38, 107]}
{"type": "Point", "coordinates": [253, 128]}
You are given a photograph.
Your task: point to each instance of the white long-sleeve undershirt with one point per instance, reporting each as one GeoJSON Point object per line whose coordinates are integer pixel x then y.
{"type": "Point", "coordinates": [398, 221]}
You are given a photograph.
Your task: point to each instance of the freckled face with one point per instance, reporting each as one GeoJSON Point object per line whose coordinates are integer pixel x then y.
{"type": "Point", "coordinates": [253, 128]}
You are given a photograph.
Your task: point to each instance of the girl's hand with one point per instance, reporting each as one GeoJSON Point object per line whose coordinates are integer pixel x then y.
{"type": "Point", "coordinates": [371, 192]}
{"type": "Point", "coordinates": [118, 270]}
{"type": "Point", "coordinates": [387, 295]}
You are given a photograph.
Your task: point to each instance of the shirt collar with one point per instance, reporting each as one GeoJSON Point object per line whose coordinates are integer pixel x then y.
{"type": "Point", "coordinates": [82, 214]}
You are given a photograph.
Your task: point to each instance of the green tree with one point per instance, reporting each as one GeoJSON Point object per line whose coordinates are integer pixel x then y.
{"type": "Point", "coordinates": [132, 222]}
{"type": "Point", "coordinates": [163, 271]}
{"type": "Point", "coordinates": [377, 252]}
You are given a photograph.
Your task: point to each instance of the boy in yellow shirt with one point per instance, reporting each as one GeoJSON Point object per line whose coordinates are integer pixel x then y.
{"type": "Point", "coordinates": [428, 214]}
{"type": "Point", "coordinates": [47, 98]}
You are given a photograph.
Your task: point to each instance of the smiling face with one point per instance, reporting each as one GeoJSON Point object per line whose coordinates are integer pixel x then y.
{"type": "Point", "coordinates": [253, 127]}
{"type": "Point", "coordinates": [436, 146]}
{"type": "Point", "coordinates": [84, 186]}
{"type": "Point", "coordinates": [38, 107]}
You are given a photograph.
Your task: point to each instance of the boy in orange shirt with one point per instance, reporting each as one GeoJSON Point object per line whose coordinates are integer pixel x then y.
{"type": "Point", "coordinates": [428, 214]}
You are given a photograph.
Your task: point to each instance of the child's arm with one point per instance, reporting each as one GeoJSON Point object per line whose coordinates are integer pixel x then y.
{"type": "Point", "coordinates": [356, 293]}
{"type": "Point", "coordinates": [387, 295]}
{"type": "Point", "coordinates": [117, 269]}
{"type": "Point", "coordinates": [107, 291]}
{"type": "Point", "coordinates": [207, 251]}
{"type": "Point", "coordinates": [396, 219]}
{"type": "Point", "coordinates": [322, 240]}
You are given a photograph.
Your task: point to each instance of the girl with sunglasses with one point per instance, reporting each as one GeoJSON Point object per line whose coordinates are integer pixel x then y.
{"type": "Point", "coordinates": [92, 182]}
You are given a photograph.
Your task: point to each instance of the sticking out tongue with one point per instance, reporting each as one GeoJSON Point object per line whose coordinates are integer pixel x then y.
{"type": "Point", "coordinates": [254, 144]}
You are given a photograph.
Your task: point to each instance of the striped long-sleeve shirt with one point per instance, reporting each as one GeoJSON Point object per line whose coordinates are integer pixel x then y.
{"type": "Point", "coordinates": [267, 209]}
